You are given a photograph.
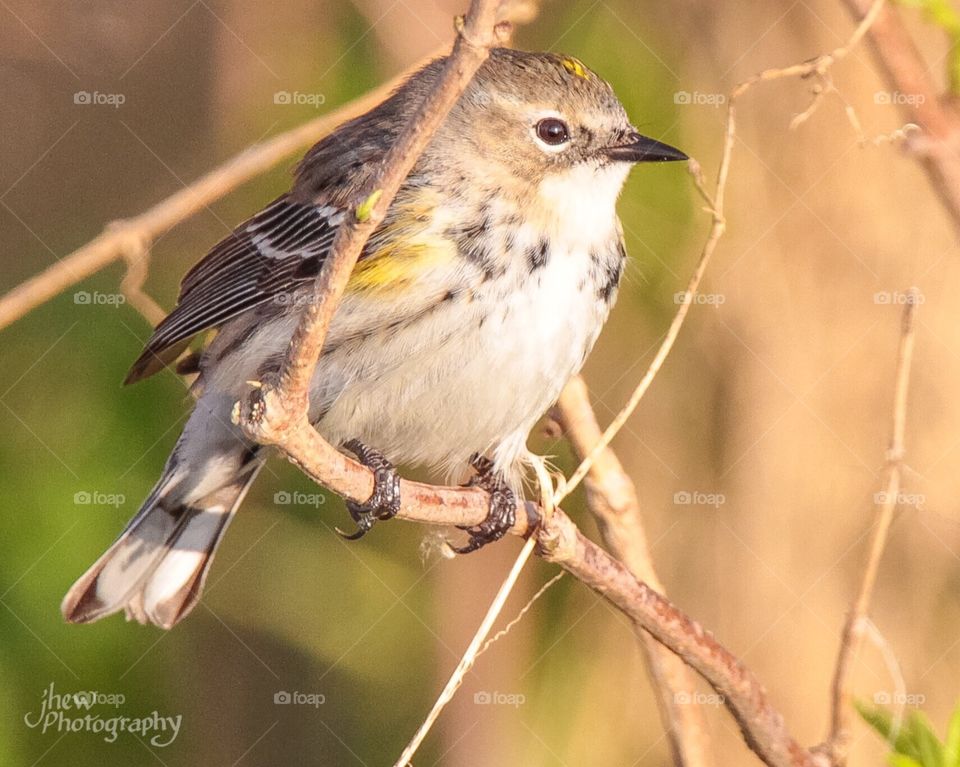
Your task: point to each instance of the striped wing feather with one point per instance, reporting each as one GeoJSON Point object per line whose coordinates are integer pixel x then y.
{"type": "Point", "coordinates": [262, 258]}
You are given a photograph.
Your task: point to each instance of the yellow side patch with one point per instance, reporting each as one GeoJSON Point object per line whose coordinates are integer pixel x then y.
{"type": "Point", "coordinates": [396, 265]}
{"type": "Point", "coordinates": [575, 67]}
{"type": "Point", "coordinates": [402, 251]}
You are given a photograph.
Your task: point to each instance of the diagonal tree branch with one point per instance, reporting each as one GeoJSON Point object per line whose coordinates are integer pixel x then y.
{"type": "Point", "coordinates": [560, 541]}
{"type": "Point", "coordinates": [761, 724]}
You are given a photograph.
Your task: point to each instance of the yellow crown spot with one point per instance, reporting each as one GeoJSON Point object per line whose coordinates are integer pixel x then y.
{"type": "Point", "coordinates": [574, 67]}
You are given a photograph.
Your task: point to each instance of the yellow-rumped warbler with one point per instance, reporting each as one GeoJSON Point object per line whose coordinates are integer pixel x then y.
{"type": "Point", "coordinates": [472, 304]}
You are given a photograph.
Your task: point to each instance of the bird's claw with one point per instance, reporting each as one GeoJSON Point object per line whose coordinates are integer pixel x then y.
{"type": "Point", "coordinates": [502, 513]}
{"type": "Point", "coordinates": [384, 502]}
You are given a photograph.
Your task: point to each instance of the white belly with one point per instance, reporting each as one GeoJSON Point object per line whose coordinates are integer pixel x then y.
{"type": "Point", "coordinates": [470, 376]}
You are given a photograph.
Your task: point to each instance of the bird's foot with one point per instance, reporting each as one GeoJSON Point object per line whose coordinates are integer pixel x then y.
{"type": "Point", "coordinates": [502, 510]}
{"type": "Point", "coordinates": [384, 502]}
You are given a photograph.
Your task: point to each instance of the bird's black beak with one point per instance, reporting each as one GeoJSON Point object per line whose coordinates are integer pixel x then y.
{"type": "Point", "coordinates": [637, 148]}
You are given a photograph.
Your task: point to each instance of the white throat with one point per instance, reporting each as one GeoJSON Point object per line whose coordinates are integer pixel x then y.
{"type": "Point", "coordinates": [583, 202]}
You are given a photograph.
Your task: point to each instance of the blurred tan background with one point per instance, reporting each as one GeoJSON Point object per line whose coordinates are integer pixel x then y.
{"type": "Point", "coordinates": [757, 452]}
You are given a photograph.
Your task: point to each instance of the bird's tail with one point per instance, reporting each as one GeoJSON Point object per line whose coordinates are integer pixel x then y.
{"type": "Point", "coordinates": [157, 567]}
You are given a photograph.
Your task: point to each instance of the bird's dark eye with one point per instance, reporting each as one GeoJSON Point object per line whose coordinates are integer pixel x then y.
{"type": "Point", "coordinates": [552, 131]}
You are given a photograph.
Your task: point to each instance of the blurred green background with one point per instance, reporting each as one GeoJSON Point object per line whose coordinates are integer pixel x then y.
{"type": "Point", "coordinates": [776, 399]}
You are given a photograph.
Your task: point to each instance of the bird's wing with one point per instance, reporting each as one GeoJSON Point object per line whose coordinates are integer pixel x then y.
{"type": "Point", "coordinates": [266, 256]}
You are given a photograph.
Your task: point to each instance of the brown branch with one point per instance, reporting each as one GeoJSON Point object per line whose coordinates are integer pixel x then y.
{"type": "Point", "coordinates": [137, 256]}
{"type": "Point", "coordinates": [838, 741]}
{"type": "Point", "coordinates": [137, 233]}
{"type": "Point", "coordinates": [612, 498]}
{"type": "Point", "coordinates": [762, 725]}
{"type": "Point", "coordinates": [938, 149]}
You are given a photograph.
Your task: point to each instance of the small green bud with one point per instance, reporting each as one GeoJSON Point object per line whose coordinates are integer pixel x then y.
{"type": "Point", "coordinates": [365, 208]}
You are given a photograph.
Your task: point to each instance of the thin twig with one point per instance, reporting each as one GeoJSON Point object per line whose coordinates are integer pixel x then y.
{"type": "Point", "coordinates": [890, 660]}
{"type": "Point", "coordinates": [519, 616]}
{"type": "Point", "coordinates": [474, 650]}
{"type": "Point", "coordinates": [851, 640]}
{"type": "Point", "coordinates": [470, 655]}
{"type": "Point", "coordinates": [137, 256]}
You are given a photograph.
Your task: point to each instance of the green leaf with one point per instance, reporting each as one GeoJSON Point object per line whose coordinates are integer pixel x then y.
{"type": "Point", "coordinates": [901, 760]}
{"type": "Point", "coordinates": [942, 14]}
{"type": "Point", "coordinates": [902, 740]}
{"type": "Point", "coordinates": [951, 746]}
{"type": "Point", "coordinates": [953, 67]}
{"type": "Point", "coordinates": [925, 739]}
{"type": "Point", "coordinates": [876, 717]}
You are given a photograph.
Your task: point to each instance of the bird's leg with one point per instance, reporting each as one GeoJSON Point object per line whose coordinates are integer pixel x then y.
{"type": "Point", "coordinates": [384, 502]}
{"type": "Point", "coordinates": [502, 510]}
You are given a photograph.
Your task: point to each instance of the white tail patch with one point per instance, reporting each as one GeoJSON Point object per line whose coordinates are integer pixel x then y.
{"type": "Point", "coordinates": [113, 578]}
{"type": "Point", "coordinates": [156, 569]}
{"type": "Point", "coordinates": [173, 586]}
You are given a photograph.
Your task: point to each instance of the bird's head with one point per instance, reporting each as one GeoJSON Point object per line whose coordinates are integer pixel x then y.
{"type": "Point", "coordinates": [528, 123]}
{"type": "Point", "coordinates": [544, 118]}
